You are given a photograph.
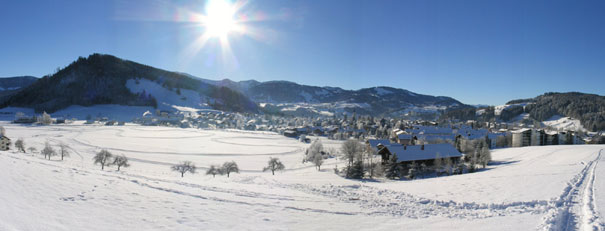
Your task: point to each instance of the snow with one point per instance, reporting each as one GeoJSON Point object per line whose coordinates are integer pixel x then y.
{"type": "Point", "coordinates": [526, 188]}
{"type": "Point", "coordinates": [564, 123]}
{"type": "Point", "coordinates": [166, 98]}
{"type": "Point", "coordinates": [381, 91]}
{"type": "Point", "coordinates": [498, 109]}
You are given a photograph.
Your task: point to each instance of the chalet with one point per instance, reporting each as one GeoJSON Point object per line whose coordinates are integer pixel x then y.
{"type": "Point", "coordinates": [407, 154]}
{"type": "Point", "coordinates": [5, 143]}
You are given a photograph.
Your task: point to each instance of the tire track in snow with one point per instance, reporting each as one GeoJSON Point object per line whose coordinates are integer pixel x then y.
{"type": "Point", "coordinates": [575, 209]}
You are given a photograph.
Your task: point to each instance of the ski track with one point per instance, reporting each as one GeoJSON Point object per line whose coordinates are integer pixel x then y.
{"type": "Point", "coordinates": [576, 209]}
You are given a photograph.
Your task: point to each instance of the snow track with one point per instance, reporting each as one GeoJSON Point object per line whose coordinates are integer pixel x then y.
{"type": "Point", "coordinates": [576, 209]}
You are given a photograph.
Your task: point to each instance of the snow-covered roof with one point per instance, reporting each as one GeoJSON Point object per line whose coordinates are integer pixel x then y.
{"type": "Point", "coordinates": [415, 152]}
{"type": "Point", "coordinates": [429, 130]}
{"type": "Point", "coordinates": [521, 130]}
{"type": "Point", "coordinates": [404, 136]}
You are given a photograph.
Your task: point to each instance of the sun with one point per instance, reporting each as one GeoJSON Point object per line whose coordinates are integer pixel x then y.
{"type": "Point", "coordinates": [219, 19]}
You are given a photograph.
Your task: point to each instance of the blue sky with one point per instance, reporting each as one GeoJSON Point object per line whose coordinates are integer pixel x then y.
{"type": "Point", "coordinates": [479, 52]}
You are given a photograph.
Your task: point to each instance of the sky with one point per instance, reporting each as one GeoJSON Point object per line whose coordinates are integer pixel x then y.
{"type": "Point", "coordinates": [478, 52]}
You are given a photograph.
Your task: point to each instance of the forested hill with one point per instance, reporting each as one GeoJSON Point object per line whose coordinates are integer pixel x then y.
{"type": "Point", "coordinates": [101, 79]}
{"type": "Point", "coordinates": [588, 108]}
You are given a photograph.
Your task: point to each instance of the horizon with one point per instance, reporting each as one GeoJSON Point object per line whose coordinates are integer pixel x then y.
{"type": "Point", "coordinates": [483, 53]}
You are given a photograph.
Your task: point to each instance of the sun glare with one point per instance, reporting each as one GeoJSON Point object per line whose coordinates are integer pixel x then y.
{"type": "Point", "coordinates": [219, 19]}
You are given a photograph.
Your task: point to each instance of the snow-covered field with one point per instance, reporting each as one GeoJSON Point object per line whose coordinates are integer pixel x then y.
{"type": "Point", "coordinates": [530, 188]}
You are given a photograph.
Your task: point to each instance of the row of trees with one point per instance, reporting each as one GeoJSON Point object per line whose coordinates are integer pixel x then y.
{"type": "Point", "coordinates": [188, 166]}
{"type": "Point", "coordinates": [48, 151]}
{"type": "Point", "coordinates": [227, 168]}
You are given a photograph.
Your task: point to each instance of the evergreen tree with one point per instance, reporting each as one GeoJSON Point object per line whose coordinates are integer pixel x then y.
{"type": "Point", "coordinates": [393, 169]}
{"type": "Point", "coordinates": [356, 170]}
{"type": "Point", "coordinates": [412, 170]}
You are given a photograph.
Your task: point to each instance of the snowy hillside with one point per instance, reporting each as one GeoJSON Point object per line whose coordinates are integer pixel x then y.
{"type": "Point", "coordinates": [531, 188]}
{"type": "Point", "coordinates": [168, 99]}
{"type": "Point", "coordinates": [564, 123]}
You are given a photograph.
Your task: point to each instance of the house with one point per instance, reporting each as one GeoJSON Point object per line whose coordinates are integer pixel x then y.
{"type": "Point", "coordinates": [407, 154]}
{"type": "Point", "coordinates": [406, 139]}
{"type": "Point", "coordinates": [5, 143]}
{"type": "Point", "coordinates": [522, 137]}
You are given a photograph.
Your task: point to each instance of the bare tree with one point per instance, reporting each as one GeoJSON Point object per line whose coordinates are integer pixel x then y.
{"type": "Point", "coordinates": [121, 161]}
{"type": "Point", "coordinates": [213, 170]}
{"type": "Point", "coordinates": [20, 145]}
{"type": "Point", "coordinates": [103, 157]}
{"type": "Point", "coordinates": [48, 151]}
{"type": "Point", "coordinates": [318, 160]}
{"type": "Point", "coordinates": [31, 149]}
{"type": "Point", "coordinates": [229, 167]}
{"type": "Point", "coordinates": [351, 149]}
{"type": "Point", "coordinates": [63, 152]}
{"type": "Point", "coordinates": [183, 167]}
{"type": "Point", "coordinates": [274, 165]}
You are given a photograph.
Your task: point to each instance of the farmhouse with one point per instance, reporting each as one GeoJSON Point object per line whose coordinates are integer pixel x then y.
{"type": "Point", "coordinates": [407, 154]}
{"type": "Point", "coordinates": [5, 143]}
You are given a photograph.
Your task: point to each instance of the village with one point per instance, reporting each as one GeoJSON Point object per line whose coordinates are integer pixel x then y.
{"type": "Point", "coordinates": [406, 149]}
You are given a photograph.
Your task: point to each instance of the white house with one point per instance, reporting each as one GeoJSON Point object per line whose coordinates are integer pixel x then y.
{"type": "Point", "coordinates": [5, 143]}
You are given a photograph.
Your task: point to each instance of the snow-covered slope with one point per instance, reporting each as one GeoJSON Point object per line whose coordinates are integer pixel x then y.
{"type": "Point", "coordinates": [525, 189]}
{"type": "Point", "coordinates": [168, 99]}
{"type": "Point", "coordinates": [564, 123]}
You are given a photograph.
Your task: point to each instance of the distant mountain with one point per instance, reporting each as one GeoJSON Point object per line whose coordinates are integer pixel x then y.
{"type": "Point", "coordinates": [103, 79]}
{"type": "Point", "coordinates": [12, 85]}
{"type": "Point", "coordinates": [375, 100]}
{"type": "Point", "coordinates": [588, 108]}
